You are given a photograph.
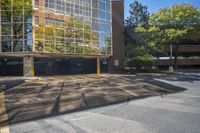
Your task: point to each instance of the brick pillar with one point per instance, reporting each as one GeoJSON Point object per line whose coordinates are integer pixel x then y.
{"type": "Point", "coordinates": [28, 66]}
{"type": "Point", "coordinates": [116, 62]}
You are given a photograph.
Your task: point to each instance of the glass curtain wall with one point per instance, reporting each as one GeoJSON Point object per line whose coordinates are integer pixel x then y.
{"type": "Point", "coordinates": [73, 26]}
{"type": "Point", "coordinates": [60, 26]}
{"type": "Point", "coordinates": [16, 25]}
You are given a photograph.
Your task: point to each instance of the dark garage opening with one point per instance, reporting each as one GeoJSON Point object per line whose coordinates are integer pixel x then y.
{"type": "Point", "coordinates": [11, 66]}
{"type": "Point", "coordinates": [64, 66]}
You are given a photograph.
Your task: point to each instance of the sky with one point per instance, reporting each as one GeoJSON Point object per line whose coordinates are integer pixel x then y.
{"type": "Point", "coordinates": [154, 5]}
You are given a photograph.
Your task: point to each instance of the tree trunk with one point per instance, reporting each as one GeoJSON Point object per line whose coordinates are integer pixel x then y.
{"type": "Point", "coordinates": [176, 52]}
{"type": "Point", "coordinates": [171, 54]}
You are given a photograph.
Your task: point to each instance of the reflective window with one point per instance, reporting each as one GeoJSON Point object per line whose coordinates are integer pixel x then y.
{"type": "Point", "coordinates": [68, 26]}
{"type": "Point", "coordinates": [16, 25]}
{"type": "Point", "coordinates": [36, 2]}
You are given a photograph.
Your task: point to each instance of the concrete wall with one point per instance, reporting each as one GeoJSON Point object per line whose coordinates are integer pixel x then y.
{"type": "Point", "coordinates": [189, 48]}
{"type": "Point", "coordinates": [117, 60]}
{"type": "Point", "coordinates": [183, 62]}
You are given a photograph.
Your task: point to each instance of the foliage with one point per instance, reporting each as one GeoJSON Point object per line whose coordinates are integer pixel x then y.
{"type": "Point", "coordinates": [138, 17]}
{"type": "Point", "coordinates": [170, 25]}
{"type": "Point", "coordinates": [139, 62]}
{"type": "Point", "coordinates": [137, 50]}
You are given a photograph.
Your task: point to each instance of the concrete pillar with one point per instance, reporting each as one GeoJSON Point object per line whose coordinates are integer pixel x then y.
{"type": "Point", "coordinates": [98, 66]}
{"type": "Point", "coordinates": [28, 62]}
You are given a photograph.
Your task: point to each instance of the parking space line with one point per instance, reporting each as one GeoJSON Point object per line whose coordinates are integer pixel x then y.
{"type": "Point", "coordinates": [4, 128]}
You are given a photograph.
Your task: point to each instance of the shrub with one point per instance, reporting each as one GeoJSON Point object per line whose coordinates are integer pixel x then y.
{"type": "Point", "coordinates": [140, 63]}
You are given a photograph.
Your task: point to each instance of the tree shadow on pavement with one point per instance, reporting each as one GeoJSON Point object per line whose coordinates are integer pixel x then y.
{"type": "Point", "coordinates": [11, 83]}
{"type": "Point", "coordinates": [184, 77]}
{"type": "Point", "coordinates": [164, 86]}
{"type": "Point", "coordinates": [32, 101]}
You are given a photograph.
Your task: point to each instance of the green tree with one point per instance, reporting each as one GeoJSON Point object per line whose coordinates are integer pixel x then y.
{"type": "Point", "coordinates": [139, 16]}
{"type": "Point", "coordinates": [136, 48]}
{"type": "Point", "coordinates": [170, 25]}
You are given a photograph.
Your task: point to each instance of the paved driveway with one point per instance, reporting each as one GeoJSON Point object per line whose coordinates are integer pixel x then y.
{"type": "Point", "coordinates": [44, 105]}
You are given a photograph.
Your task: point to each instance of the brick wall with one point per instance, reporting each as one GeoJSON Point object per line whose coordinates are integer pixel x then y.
{"type": "Point", "coordinates": [117, 60]}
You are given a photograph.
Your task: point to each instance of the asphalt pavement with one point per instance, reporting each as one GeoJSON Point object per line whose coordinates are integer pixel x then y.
{"type": "Point", "coordinates": [173, 108]}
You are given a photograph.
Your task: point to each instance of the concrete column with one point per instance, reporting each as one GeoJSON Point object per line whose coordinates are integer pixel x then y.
{"type": "Point", "coordinates": [98, 66]}
{"type": "Point", "coordinates": [28, 66]}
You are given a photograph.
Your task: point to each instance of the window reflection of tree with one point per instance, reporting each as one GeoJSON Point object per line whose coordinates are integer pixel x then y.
{"type": "Point", "coordinates": [18, 15]}
{"type": "Point", "coordinates": [73, 35]}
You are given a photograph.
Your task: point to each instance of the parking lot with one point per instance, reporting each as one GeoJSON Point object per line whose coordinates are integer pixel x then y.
{"type": "Point", "coordinates": [31, 99]}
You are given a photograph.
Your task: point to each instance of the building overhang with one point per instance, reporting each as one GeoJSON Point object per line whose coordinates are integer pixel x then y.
{"type": "Point", "coordinates": [50, 55]}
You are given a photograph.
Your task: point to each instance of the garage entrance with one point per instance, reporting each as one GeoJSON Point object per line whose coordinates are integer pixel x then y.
{"type": "Point", "coordinates": [64, 66]}
{"type": "Point", "coordinates": [11, 66]}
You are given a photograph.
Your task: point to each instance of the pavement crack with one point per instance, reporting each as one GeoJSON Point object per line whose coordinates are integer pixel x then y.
{"type": "Point", "coordinates": [43, 88]}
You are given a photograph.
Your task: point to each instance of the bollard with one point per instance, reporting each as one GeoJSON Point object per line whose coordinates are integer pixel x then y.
{"type": "Point", "coordinates": [171, 69]}
{"type": "Point", "coordinates": [2, 88]}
